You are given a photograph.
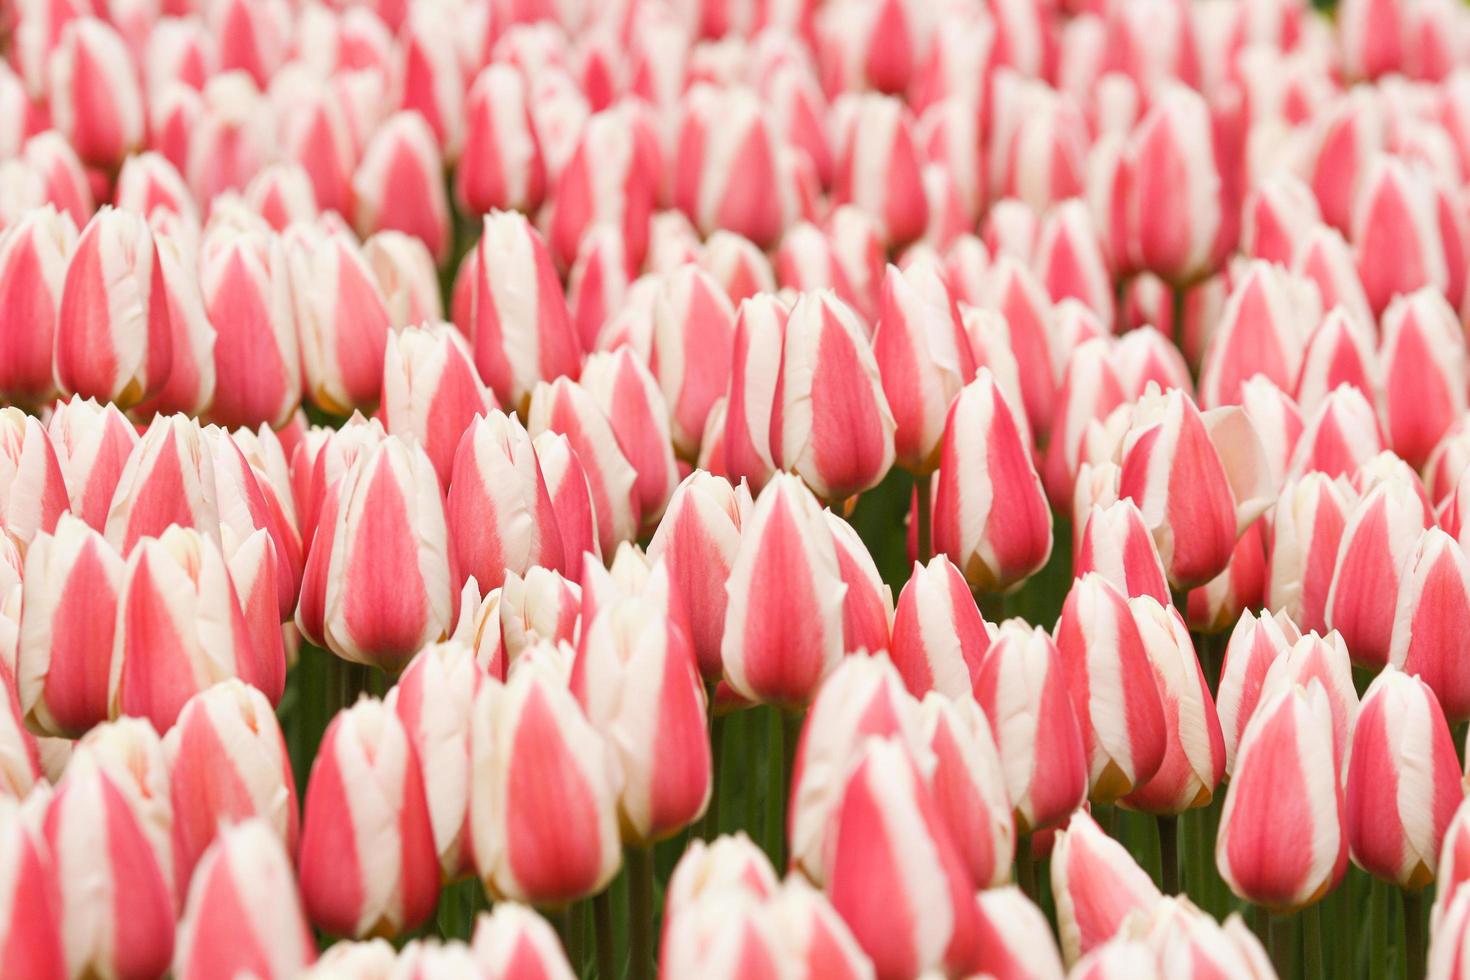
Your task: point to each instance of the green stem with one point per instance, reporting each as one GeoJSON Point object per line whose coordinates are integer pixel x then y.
{"type": "Point", "coordinates": [640, 912]}
{"type": "Point", "coordinates": [750, 733]}
{"type": "Point", "coordinates": [923, 517]}
{"type": "Point", "coordinates": [602, 926]}
{"type": "Point", "coordinates": [578, 916]}
{"type": "Point", "coordinates": [776, 790]}
{"type": "Point", "coordinates": [1414, 933]}
{"type": "Point", "coordinates": [1179, 295]}
{"type": "Point", "coordinates": [561, 919]}
{"type": "Point", "coordinates": [1378, 950]}
{"type": "Point", "coordinates": [1311, 919]}
{"type": "Point", "coordinates": [710, 827]}
{"type": "Point", "coordinates": [1026, 868]}
{"type": "Point", "coordinates": [1282, 941]}
{"type": "Point", "coordinates": [1169, 854]}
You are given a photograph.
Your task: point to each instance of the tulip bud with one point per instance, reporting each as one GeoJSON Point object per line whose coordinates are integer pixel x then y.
{"type": "Point", "coordinates": [1262, 330]}
{"type": "Point", "coordinates": [1326, 258]}
{"type": "Point", "coordinates": [399, 184]}
{"type": "Point", "coordinates": [808, 261]}
{"type": "Point", "coordinates": [693, 332]}
{"type": "Point", "coordinates": [990, 514]}
{"type": "Point", "coordinates": [1279, 214]}
{"type": "Point", "coordinates": [1447, 940]}
{"type": "Point", "coordinates": [316, 135]}
{"type": "Point", "coordinates": [939, 637]}
{"type": "Point", "coordinates": [968, 784]}
{"type": "Point", "coordinates": [784, 621]}
{"type": "Point", "coordinates": [867, 606]}
{"type": "Point", "coordinates": [1450, 874]}
{"type": "Point", "coordinates": [571, 500]}
{"type": "Point", "coordinates": [32, 488]}
{"type": "Point", "coordinates": [31, 939]}
{"type": "Point", "coordinates": [407, 276]}
{"type": "Point", "coordinates": [1112, 687]}
{"type": "Point", "coordinates": [629, 396]}
{"type": "Point", "coordinates": [1425, 384]}
{"type": "Point", "coordinates": [1255, 643]}
{"type": "Point", "coordinates": [1284, 771]}
{"type": "Point", "coordinates": [878, 165]}
{"type": "Point", "coordinates": [1116, 543]}
{"type": "Point", "coordinates": [341, 316]}
{"type": "Point", "coordinates": [191, 383]}
{"type": "Point", "coordinates": [1188, 943]}
{"type": "Point", "coordinates": [92, 89]}
{"type": "Point", "coordinates": [282, 194]}
{"type": "Point", "coordinates": [1023, 688]}
{"type": "Point", "coordinates": [1069, 259]}
{"type": "Point", "coordinates": [542, 606]}
{"type": "Point", "coordinates": [501, 167]}
{"type": "Point", "coordinates": [755, 377]}
{"type": "Point", "coordinates": [1097, 885]}
{"type": "Point", "coordinates": [1214, 606]}
{"type": "Point", "coordinates": [33, 262]}
{"type": "Point", "coordinates": [1341, 435]}
{"type": "Point", "coordinates": [1014, 937]}
{"type": "Point", "coordinates": [729, 864]}
{"type": "Point", "coordinates": [521, 332]}
{"type": "Point", "coordinates": [373, 959]}
{"type": "Point", "coordinates": [1395, 234]}
{"type": "Point", "coordinates": [367, 863]}
{"type": "Point", "coordinates": [1306, 529]}
{"type": "Point", "coordinates": [227, 762]}
{"type": "Point", "coordinates": [113, 338]}
{"type": "Point", "coordinates": [246, 871]}
{"type": "Point", "coordinates": [1011, 290]}
{"type": "Point", "coordinates": [431, 393]}
{"type": "Point", "coordinates": [1430, 621]}
{"type": "Point", "coordinates": [609, 177]}
{"type": "Point", "coordinates": [513, 941]}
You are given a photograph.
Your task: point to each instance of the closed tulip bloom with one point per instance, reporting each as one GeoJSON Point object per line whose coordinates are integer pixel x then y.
{"type": "Point", "coordinates": [1255, 643]}
{"type": "Point", "coordinates": [1423, 362]}
{"type": "Point", "coordinates": [730, 863]}
{"type": "Point", "coordinates": [1395, 234]}
{"type": "Point", "coordinates": [609, 177]}
{"type": "Point", "coordinates": [598, 284]}
{"type": "Point", "coordinates": [406, 275]}
{"type": "Point", "coordinates": [1113, 691]}
{"type": "Point", "coordinates": [629, 396]}
{"type": "Point", "coordinates": [368, 865]}
{"type": "Point", "coordinates": [113, 339]}
{"type": "Point", "coordinates": [727, 934]}
{"type": "Point", "coordinates": [1216, 605]}
{"type": "Point", "coordinates": [31, 944]}
{"type": "Point", "coordinates": [521, 332]}
{"type": "Point", "coordinates": [227, 762]}
{"type": "Point", "coordinates": [1447, 939]}
{"type": "Point", "coordinates": [1278, 214]}
{"type": "Point", "coordinates": [1429, 623]}
{"type": "Point", "coordinates": [93, 92]}
{"type": "Point", "coordinates": [500, 515]}
{"type": "Point", "coordinates": [1089, 392]}
{"type": "Point", "coordinates": [191, 383]}
{"type": "Point", "coordinates": [969, 787]}
{"type": "Point", "coordinates": [1023, 689]}
{"type": "Point", "coordinates": [168, 479]}
{"type": "Point", "coordinates": [755, 376]}
{"type": "Point", "coordinates": [512, 941]}
{"type": "Point", "coordinates": [247, 870]}
{"type": "Point", "coordinates": [1322, 660]}
{"type": "Point", "coordinates": [784, 621]}
{"type": "Point", "coordinates": [540, 607]}
{"type": "Point", "coordinates": [886, 813]}
{"type": "Point", "coordinates": [399, 184]}
{"type": "Point", "coordinates": [33, 261]}
{"type": "Point", "coordinates": [990, 514]}
{"type": "Point", "coordinates": [431, 393]}
{"type": "Point", "coordinates": [939, 637]}
{"type": "Point", "coordinates": [370, 959]}
{"type": "Point", "coordinates": [281, 193]}
{"type": "Point", "coordinates": [1277, 419]}
{"type": "Point", "coordinates": [1116, 543]}
{"type": "Point", "coordinates": [807, 260]}
{"type": "Point", "coordinates": [867, 605]}
{"type": "Point", "coordinates": [1262, 330]}
{"type": "Point", "coordinates": [1026, 323]}
{"type": "Point", "coordinates": [1014, 937]}
{"type": "Point", "coordinates": [693, 336]}
{"type": "Point", "coordinates": [501, 166]}
{"type": "Point", "coordinates": [638, 682]}
{"type": "Point", "coordinates": [877, 165]}
{"type": "Point", "coordinates": [1452, 870]}
{"type": "Point", "coordinates": [1118, 959]}
{"type": "Point", "coordinates": [316, 135]}
{"type": "Point", "coordinates": [1340, 351]}
{"type": "Point", "coordinates": [1306, 529]}
{"type": "Point", "coordinates": [341, 317]}
{"type": "Point", "coordinates": [181, 628]}
{"type": "Point", "coordinates": [566, 407]}
{"type": "Point", "coordinates": [33, 492]}
{"type": "Point", "coordinates": [571, 500]}
{"type": "Point", "coordinates": [813, 938]}
{"type": "Point", "coordinates": [1189, 943]}
{"type": "Point", "coordinates": [1340, 435]}
{"type": "Point", "coordinates": [1285, 777]}
{"type": "Point", "coordinates": [1097, 885]}
{"type": "Point", "coordinates": [544, 792]}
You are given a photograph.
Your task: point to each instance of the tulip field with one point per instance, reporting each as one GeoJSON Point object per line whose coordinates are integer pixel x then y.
{"type": "Point", "coordinates": [734, 489]}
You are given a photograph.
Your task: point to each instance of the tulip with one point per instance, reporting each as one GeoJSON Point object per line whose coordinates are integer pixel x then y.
{"type": "Point", "coordinates": [725, 936]}
{"type": "Point", "coordinates": [1194, 748]}
{"type": "Point", "coordinates": [321, 459]}
{"type": "Point", "coordinates": [368, 864]}
{"type": "Point", "coordinates": [399, 184]}
{"type": "Point", "coordinates": [884, 801]}
{"type": "Point", "coordinates": [609, 176]}
{"type": "Point", "coordinates": [92, 89]}
{"type": "Point", "coordinates": [784, 619]}
{"type": "Point", "coordinates": [728, 864]}
{"type": "Point", "coordinates": [282, 194]}
{"type": "Point", "coordinates": [377, 585]}
{"type": "Point", "coordinates": [1116, 959]}
{"type": "Point", "coordinates": [229, 139]}
{"type": "Point", "coordinates": [513, 941]}
{"type": "Point", "coordinates": [1397, 240]}
{"type": "Point", "coordinates": [1285, 775]}
{"type": "Point", "coordinates": [33, 260]}
{"type": "Point", "coordinates": [117, 918]}
{"type": "Point", "coordinates": [1216, 605]}
{"type": "Point", "coordinates": [113, 336]}
{"type": "Point", "coordinates": [867, 605]}
{"type": "Point", "coordinates": [990, 514]}
{"type": "Point", "coordinates": [598, 285]}
{"type": "Point", "coordinates": [168, 479]}
{"type": "Point", "coordinates": [520, 332]}
{"type": "Point", "coordinates": [501, 166]}
{"type": "Point", "coordinates": [571, 499]}
{"type": "Point", "coordinates": [693, 333]}
{"type": "Point", "coordinates": [246, 871]}
{"type": "Point", "coordinates": [316, 135]}
{"type": "Point", "coordinates": [1341, 435]}
{"type": "Point", "coordinates": [1146, 356]}
{"type": "Point", "coordinates": [1014, 937]}
{"type": "Point", "coordinates": [1112, 687]}
{"type": "Point", "coordinates": [1430, 621]}
{"type": "Point", "coordinates": [1326, 258]}
{"type": "Point", "coordinates": [738, 265]}
{"type": "Point", "coordinates": [1070, 262]}
{"type": "Point", "coordinates": [431, 393]}
{"type": "Point", "coordinates": [877, 165]}
{"type": "Point", "coordinates": [1425, 382]}
{"type": "Point", "coordinates": [1089, 392]}
{"type": "Point", "coordinates": [629, 396]}
{"type": "Point", "coordinates": [33, 492]}
{"type": "Point", "coordinates": [638, 682]}
{"type": "Point", "coordinates": [1323, 661]}
{"type": "Point", "coordinates": [407, 276]}
{"type": "Point", "coordinates": [1262, 330]}
{"type": "Point", "coordinates": [968, 785]}
{"type": "Point", "coordinates": [1306, 529]}
{"type": "Point", "coordinates": [1450, 872]}
{"type": "Point", "coordinates": [1447, 943]}
{"type": "Point", "coordinates": [427, 77]}
{"type": "Point", "coordinates": [698, 540]}
{"type": "Point", "coordinates": [544, 791]}
{"type": "Point", "coordinates": [939, 637]}
{"type": "Point", "coordinates": [1011, 290]}
{"type": "Point", "coordinates": [227, 762]}
{"type": "Point", "coordinates": [755, 376]}
{"type": "Point", "coordinates": [807, 261]}
{"type": "Point", "coordinates": [373, 959]}
{"type": "Point", "coordinates": [565, 407]}
{"type": "Point", "coordinates": [1097, 885]}
{"type": "Point", "coordinates": [1023, 689]}
{"type": "Point", "coordinates": [31, 938]}
{"type": "Point", "coordinates": [1340, 351]}
{"type": "Point", "coordinates": [1117, 544]}
{"type": "Point", "coordinates": [246, 296]}
{"type": "Point", "coordinates": [341, 316]}
{"type": "Point", "coordinates": [814, 939]}
{"type": "Point", "coordinates": [1279, 214]}
{"type": "Point", "coordinates": [181, 628]}
{"type": "Point", "coordinates": [1188, 943]}
{"type": "Point", "coordinates": [1255, 643]}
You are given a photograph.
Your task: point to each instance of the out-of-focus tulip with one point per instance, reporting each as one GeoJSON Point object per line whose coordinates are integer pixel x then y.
{"type": "Point", "coordinates": [990, 514]}
{"type": "Point", "coordinates": [501, 166]}
{"type": "Point", "coordinates": [1111, 682]}
{"type": "Point", "coordinates": [281, 193]}
{"type": "Point", "coordinates": [113, 338]}
{"type": "Point", "coordinates": [1089, 392]}
{"type": "Point", "coordinates": [598, 285]}
{"type": "Point", "coordinates": [191, 383]}
{"type": "Point", "coordinates": [511, 941]}
{"type": "Point", "coordinates": [372, 959]}
{"type": "Point", "coordinates": [33, 261]}
{"type": "Point", "coordinates": [924, 359]}
{"type": "Point", "coordinates": [1403, 781]}
{"type": "Point", "coordinates": [341, 317]}
{"type": "Point", "coordinates": [730, 863]}
{"type": "Point", "coordinates": [316, 135]}
{"type": "Point", "coordinates": [406, 275]}
{"type": "Point", "coordinates": [1341, 435]}
{"type": "Point", "coordinates": [1014, 938]}
{"type": "Point", "coordinates": [399, 184]}
{"type": "Point", "coordinates": [784, 620]}
{"type": "Point", "coordinates": [867, 605]}
{"type": "Point", "coordinates": [813, 937]}
{"type": "Point", "coordinates": [1069, 259]}
{"type": "Point", "coordinates": [1340, 351]}
{"type": "Point", "coordinates": [31, 943]}
{"type": "Point", "coordinates": [1285, 776]}
{"type": "Point", "coordinates": [227, 762]}
{"type": "Point", "coordinates": [878, 165]}
{"type": "Point", "coordinates": [1432, 621]}
{"type": "Point", "coordinates": [1278, 215]}
{"type": "Point", "coordinates": [1395, 234]}
{"type": "Point", "coordinates": [1190, 944]}
{"type": "Point", "coordinates": [1306, 529]}
{"type": "Point", "coordinates": [638, 682]}
{"type": "Point", "coordinates": [1011, 290]}
{"type": "Point", "coordinates": [377, 585]}
{"type": "Point", "coordinates": [1255, 643]}
{"type": "Point", "coordinates": [520, 329]}
{"type": "Point", "coordinates": [1321, 661]}
{"type": "Point", "coordinates": [1262, 330]}
{"type": "Point", "coordinates": [544, 792]}
{"type": "Point", "coordinates": [887, 813]}
{"type": "Point", "coordinates": [610, 177]}
{"type": "Point", "coordinates": [1423, 363]}
{"type": "Point", "coordinates": [755, 377]}
{"type": "Point", "coordinates": [368, 865]}
{"type": "Point", "coordinates": [1194, 753]}
{"type": "Point", "coordinates": [1216, 605]}
{"type": "Point", "coordinates": [693, 336]}
{"type": "Point", "coordinates": [1199, 480]}
{"type": "Point", "coordinates": [1447, 941]}
{"type": "Point", "coordinates": [1097, 885]}
{"type": "Point", "coordinates": [229, 139]}
{"type": "Point", "coordinates": [969, 787]}
{"type": "Point", "coordinates": [243, 912]}
{"type": "Point", "coordinates": [629, 396]}
{"type": "Point", "coordinates": [571, 500]}
{"type": "Point", "coordinates": [431, 393]}
{"type": "Point", "coordinates": [1023, 688]}
{"type": "Point", "coordinates": [939, 637]}
{"type": "Point", "coordinates": [33, 491]}
{"type": "Point", "coordinates": [1116, 543]}
{"type": "Point", "coordinates": [1277, 420]}
{"type": "Point", "coordinates": [92, 89]}
{"type": "Point", "coordinates": [1452, 870]}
